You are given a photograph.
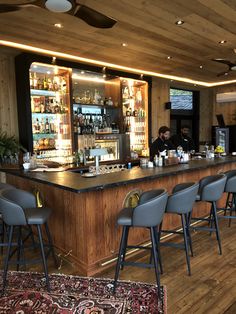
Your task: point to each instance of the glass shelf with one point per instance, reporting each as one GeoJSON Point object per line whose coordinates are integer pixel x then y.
{"type": "Point", "coordinates": [48, 113]}
{"type": "Point", "coordinates": [43, 92]}
{"type": "Point", "coordinates": [48, 134]}
{"type": "Point", "coordinates": [95, 105]}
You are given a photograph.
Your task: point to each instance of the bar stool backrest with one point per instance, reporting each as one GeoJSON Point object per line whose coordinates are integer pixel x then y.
{"type": "Point", "coordinates": [230, 185]}
{"type": "Point", "coordinates": [12, 202]}
{"type": "Point", "coordinates": [150, 213]}
{"type": "Point", "coordinates": [4, 186]}
{"type": "Point", "coordinates": [148, 195]}
{"type": "Point", "coordinates": [183, 197]}
{"type": "Point", "coordinates": [211, 188]}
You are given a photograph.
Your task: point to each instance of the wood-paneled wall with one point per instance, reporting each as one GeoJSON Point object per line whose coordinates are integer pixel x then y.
{"type": "Point", "coordinates": [206, 113]}
{"type": "Point", "coordinates": [8, 107]}
{"type": "Point", "coordinates": [228, 109]}
{"type": "Point", "coordinates": [159, 115]}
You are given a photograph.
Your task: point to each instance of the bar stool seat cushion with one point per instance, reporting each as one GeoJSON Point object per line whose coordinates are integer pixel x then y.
{"type": "Point", "coordinates": [37, 216]}
{"type": "Point", "coordinates": [125, 217]}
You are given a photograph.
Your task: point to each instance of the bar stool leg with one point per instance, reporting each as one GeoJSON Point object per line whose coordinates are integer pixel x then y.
{"type": "Point", "coordinates": [4, 280]}
{"type": "Point", "coordinates": [119, 260]}
{"type": "Point", "coordinates": [51, 247]}
{"type": "Point", "coordinates": [18, 249]}
{"type": "Point", "coordinates": [186, 243]}
{"type": "Point", "coordinates": [158, 250]}
{"type": "Point", "coordinates": [2, 236]}
{"type": "Point", "coordinates": [216, 226]}
{"type": "Point", "coordinates": [43, 257]}
{"type": "Point", "coordinates": [125, 246]}
{"type": "Point", "coordinates": [187, 220]}
{"type": "Point", "coordinates": [154, 250]}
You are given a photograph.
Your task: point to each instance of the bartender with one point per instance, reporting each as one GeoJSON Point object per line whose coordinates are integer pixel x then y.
{"type": "Point", "coordinates": [183, 139]}
{"type": "Point", "coordinates": [161, 143]}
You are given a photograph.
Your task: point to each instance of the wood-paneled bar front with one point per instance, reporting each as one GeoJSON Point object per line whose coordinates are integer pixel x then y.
{"type": "Point", "coordinates": [85, 210]}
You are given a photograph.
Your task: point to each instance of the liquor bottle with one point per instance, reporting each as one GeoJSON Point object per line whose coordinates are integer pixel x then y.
{"type": "Point", "coordinates": [55, 83]}
{"type": "Point", "coordinates": [42, 107]}
{"type": "Point", "coordinates": [35, 81]}
{"type": "Point", "coordinates": [31, 80]}
{"type": "Point", "coordinates": [50, 84]}
{"type": "Point", "coordinates": [47, 126]}
{"type": "Point", "coordinates": [40, 83]}
{"type": "Point", "coordinates": [37, 126]}
{"type": "Point", "coordinates": [52, 127]}
{"type": "Point", "coordinates": [128, 126]}
{"type": "Point", "coordinates": [45, 83]}
{"type": "Point", "coordinates": [42, 126]}
{"type": "Point", "coordinates": [63, 84]}
{"type": "Point", "coordinates": [36, 106]}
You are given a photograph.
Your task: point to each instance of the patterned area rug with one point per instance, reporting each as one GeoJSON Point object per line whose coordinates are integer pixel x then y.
{"type": "Point", "coordinates": [26, 294]}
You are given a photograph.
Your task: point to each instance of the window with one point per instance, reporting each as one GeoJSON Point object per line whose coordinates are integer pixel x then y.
{"type": "Point", "coordinates": [181, 99]}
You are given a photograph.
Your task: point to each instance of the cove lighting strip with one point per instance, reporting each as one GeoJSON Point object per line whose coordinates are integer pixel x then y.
{"type": "Point", "coordinates": [110, 65]}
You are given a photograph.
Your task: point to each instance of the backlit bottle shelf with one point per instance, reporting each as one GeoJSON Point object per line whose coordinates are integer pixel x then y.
{"type": "Point", "coordinates": [44, 92]}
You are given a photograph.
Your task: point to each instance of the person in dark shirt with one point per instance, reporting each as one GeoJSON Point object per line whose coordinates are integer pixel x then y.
{"type": "Point", "coordinates": [183, 139]}
{"type": "Point", "coordinates": [161, 143]}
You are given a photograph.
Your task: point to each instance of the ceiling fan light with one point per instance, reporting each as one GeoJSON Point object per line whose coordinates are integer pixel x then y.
{"type": "Point", "coordinates": [58, 6]}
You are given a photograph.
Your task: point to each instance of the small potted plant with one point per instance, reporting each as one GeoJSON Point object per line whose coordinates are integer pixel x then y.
{"type": "Point", "coordinates": [9, 150]}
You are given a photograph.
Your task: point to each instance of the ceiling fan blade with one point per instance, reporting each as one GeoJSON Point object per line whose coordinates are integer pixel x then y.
{"type": "Point", "coordinates": [229, 63]}
{"type": "Point", "coordinates": [93, 17]}
{"type": "Point", "coordinates": [222, 73]}
{"type": "Point", "coordinates": [5, 8]}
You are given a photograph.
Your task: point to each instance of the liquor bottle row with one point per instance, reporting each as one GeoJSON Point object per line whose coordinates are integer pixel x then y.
{"type": "Point", "coordinates": [49, 126]}
{"type": "Point", "coordinates": [140, 113]}
{"type": "Point", "coordinates": [93, 97]}
{"type": "Point", "coordinates": [132, 126]}
{"type": "Point", "coordinates": [93, 123]}
{"type": "Point", "coordinates": [46, 104]}
{"type": "Point", "coordinates": [44, 143]}
{"type": "Point", "coordinates": [131, 92]}
{"type": "Point", "coordinates": [55, 83]}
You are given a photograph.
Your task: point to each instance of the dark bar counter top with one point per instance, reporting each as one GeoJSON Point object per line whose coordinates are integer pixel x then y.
{"type": "Point", "coordinates": [74, 182]}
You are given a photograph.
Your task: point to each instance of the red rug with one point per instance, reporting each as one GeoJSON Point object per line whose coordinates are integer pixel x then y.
{"type": "Point", "coordinates": [26, 294]}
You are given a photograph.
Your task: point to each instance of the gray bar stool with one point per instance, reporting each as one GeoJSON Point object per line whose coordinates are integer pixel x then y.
{"type": "Point", "coordinates": [147, 214]}
{"type": "Point", "coordinates": [19, 209]}
{"type": "Point", "coordinates": [211, 189]}
{"type": "Point", "coordinates": [230, 189]}
{"type": "Point", "coordinates": [181, 202]}
{"type": "Point", "coordinates": [3, 186]}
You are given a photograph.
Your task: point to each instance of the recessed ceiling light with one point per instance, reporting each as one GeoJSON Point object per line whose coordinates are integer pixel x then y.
{"type": "Point", "coordinates": [179, 22]}
{"type": "Point", "coordinates": [222, 42]}
{"type": "Point", "coordinates": [58, 25]}
{"type": "Point", "coordinates": [169, 57]}
{"type": "Point", "coordinates": [200, 66]}
{"type": "Point", "coordinates": [124, 44]}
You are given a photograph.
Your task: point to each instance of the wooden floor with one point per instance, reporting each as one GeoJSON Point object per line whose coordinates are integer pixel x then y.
{"type": "Point", "coordinates": [210, 289]}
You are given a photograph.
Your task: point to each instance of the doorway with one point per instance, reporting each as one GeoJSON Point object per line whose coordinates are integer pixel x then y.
{"type": "Point", "coordinates": [185, 112]}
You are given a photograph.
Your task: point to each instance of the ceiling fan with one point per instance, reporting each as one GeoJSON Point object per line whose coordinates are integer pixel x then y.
{"type": "Point", "coordinates": [231, 66]}
{"type": "Point", "coordinates": [88, 15]}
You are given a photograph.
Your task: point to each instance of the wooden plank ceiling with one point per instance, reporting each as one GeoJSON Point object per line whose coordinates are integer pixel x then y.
{"type": "Point", "coordinates": [146, 26]}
